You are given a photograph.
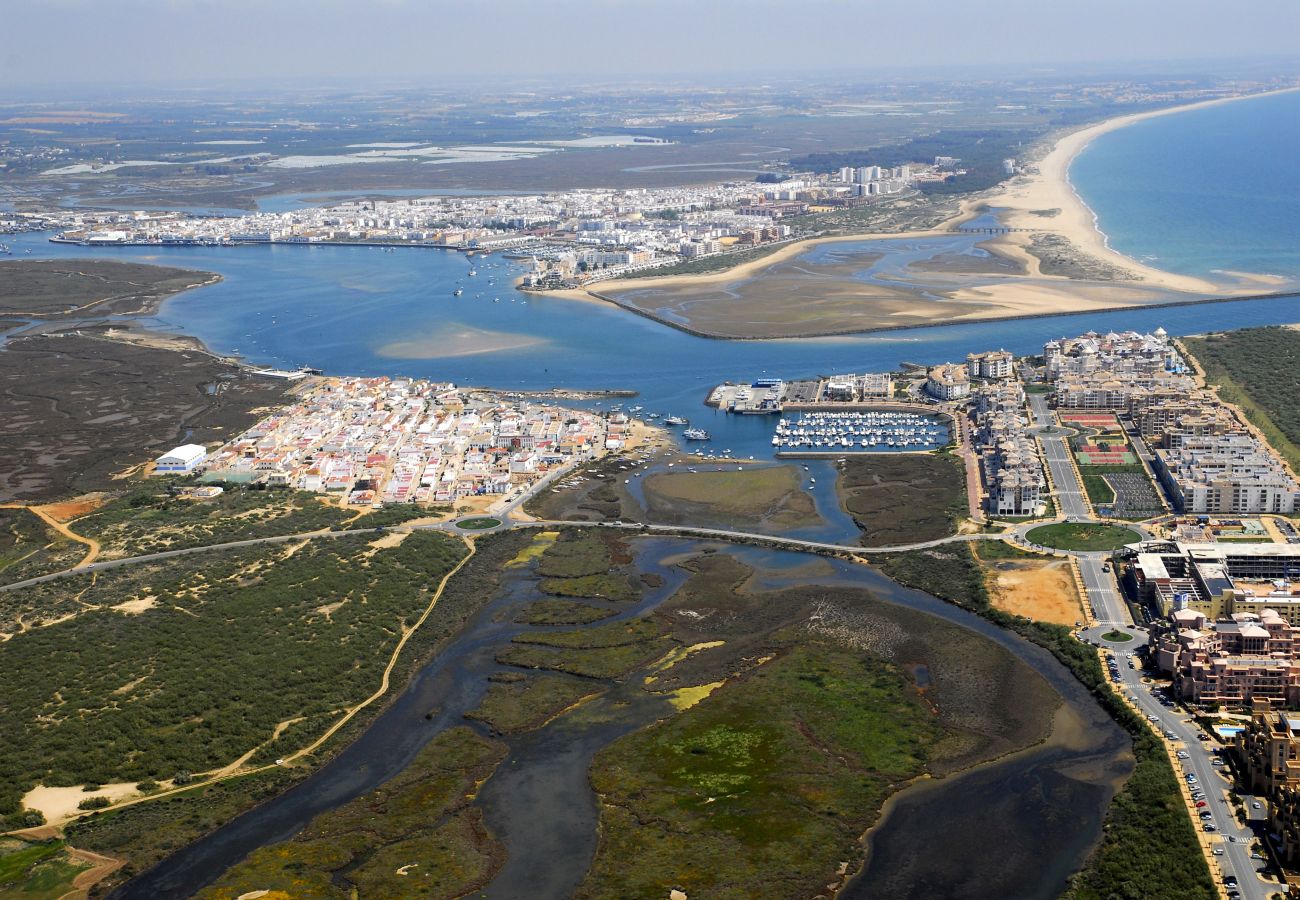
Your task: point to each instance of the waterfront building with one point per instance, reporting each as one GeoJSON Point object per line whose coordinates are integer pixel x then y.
{"type": "Point", "coordinates": [948, 382]}
{"type": "Point", "coordinates": [993, 364]}
{"type": "Point", "coordinates": [1011, 468]}
{"type": "Point", "coordinates": [379, 441]}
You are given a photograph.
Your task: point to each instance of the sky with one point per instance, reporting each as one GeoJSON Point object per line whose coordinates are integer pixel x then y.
{"type": "Point", "coordinates": [168, 42]}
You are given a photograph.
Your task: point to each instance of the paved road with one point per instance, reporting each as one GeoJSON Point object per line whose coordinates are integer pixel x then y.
{"type": "Point", "coordinates": [1236, 857]}
{"type": "Point", "coordinates": [792, 543]}
{"type": "Point", "coordinates": [1056, 451]}
{"type": "Point", "coordinates": [102, 565]}
{"type": "Point", "coordinates": [1108, 607]}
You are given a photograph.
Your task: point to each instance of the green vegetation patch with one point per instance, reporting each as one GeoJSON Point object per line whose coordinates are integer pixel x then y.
{"type": "Point", "coordinates": [184, 666]}
{"type": "Point", "coordinates": [515, 706]}
{"type": "Point", "coordinates": [763, 787]}
{"type": "Point", "coordinates": [394, 514]}
{"type": "Point", "coordinates": [1117, 637]}
{"type": "Point", "coordinates": [483, 523]}
{"type": "Point", "coordinates": [580, 552]}
{"type": "Point", "coordinates": [898, 498]}
{"type": "Point", "coordinates": [1084, 536]}
{"type": "Point", "coordinates": [561, 612]}
{"type": "Point", "coordinates": [29, 547]}
{"type": "Point", "coordinates": [1258, 369]}
{"type": "Point", "coordinates": [990, 551]}
{"type": "Point", "coordinates": [40, 870]}
{"type": "Point", "coordinates": [149, 520]}
{"type": "Point", "coordinates": [764, 498]}
{"type": "Point", "coordinates": [604, 651]}
{"type": "Point", "coordinates": [416, 835]}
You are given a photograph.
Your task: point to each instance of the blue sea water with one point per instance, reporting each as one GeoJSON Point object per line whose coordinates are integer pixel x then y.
{"type": "Point", "coordinates": [1200, 192]}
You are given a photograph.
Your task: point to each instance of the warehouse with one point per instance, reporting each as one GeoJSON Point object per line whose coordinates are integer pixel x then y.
{"type": "Point", "coordinates": [180, 460]}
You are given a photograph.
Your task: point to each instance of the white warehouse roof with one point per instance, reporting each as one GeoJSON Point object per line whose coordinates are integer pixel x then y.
{"type": "Point", "coordinates": [183, 454]}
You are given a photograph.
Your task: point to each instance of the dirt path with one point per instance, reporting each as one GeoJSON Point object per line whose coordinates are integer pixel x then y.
{"type": "Point", "coordinates": [392, 660]}
{"type": "Point", "coordinates": [100, 868]}
{"type": "Point", "coordinates": [92, 545]}
{"type": "Point", "coordinates": [229, 772]}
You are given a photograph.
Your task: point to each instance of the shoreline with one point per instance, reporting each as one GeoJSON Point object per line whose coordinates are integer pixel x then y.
{"type": "Point", "coordinates": [916, 326]}
{"type": "Point", "coordinates": [1020, 204]}
{"type": "Point", "coordinates": [1051, 188]}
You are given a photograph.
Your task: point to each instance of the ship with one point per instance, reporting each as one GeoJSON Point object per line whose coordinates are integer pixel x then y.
{"type": "Point", "coordinates": [676, 420]}
{"type": "Point", "coordinates": [457, 292]}
{"type": "Point", "coordinates": [696, 434]}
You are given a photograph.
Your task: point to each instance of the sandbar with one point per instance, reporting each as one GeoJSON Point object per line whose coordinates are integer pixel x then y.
{"type": "Point", "coordinates": [753, 300]}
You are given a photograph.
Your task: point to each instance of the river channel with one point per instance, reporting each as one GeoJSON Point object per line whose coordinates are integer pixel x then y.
{"type": "Point", "coordinates": [1047, 801]}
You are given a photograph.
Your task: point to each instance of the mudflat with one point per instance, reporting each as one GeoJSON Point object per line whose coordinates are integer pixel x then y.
{"type": "Point", "coordinates": [764, 499]}
{"type": "Point", "coordinates": [73, 287]}
{"type": "Point", "coordinates": [80, 410]}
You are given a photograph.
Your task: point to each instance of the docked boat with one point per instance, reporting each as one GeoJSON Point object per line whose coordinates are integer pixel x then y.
{"type": "Point", "coordinates": [696, 434]}
{"type": "Point", "coordinates": [868, 430]}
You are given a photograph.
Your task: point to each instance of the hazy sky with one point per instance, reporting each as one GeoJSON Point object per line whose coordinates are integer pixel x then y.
{"type": "Point", "coordinates": [173, 41]}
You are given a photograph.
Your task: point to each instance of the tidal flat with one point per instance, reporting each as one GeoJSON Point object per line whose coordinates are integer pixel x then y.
{"type": "Point", "coordinates": [854, 284]}
{"type": "Point", "coordinates": [718, 709]}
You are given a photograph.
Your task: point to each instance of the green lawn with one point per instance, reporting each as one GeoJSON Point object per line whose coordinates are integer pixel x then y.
{"type": "Point", "coordinates": [480, 524]}
{"type": "Point", "coordinates": [1083, 536]}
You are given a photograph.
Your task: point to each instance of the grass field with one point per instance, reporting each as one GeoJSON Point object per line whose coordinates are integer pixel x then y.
{"type": "Point", "coordinates": [520, 704]}
{"type": "Point", "coordinates": [1082, 536]}
{"type": "Point", "coordinates": [760, 783]}
{"type": "Point", "coordinates": [36, 870]}
{"type": "Point", "coordinates": [480, 524]}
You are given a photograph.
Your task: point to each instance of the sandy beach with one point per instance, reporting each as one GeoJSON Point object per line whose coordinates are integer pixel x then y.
{"type": "Point", "coordinates": [1042, 201]}
{"type": "Point", "coordinates": [1050, 188]}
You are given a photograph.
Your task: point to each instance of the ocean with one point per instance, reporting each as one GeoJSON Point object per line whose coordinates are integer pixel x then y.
{"type": "Point", "coordinates": [1203, 192]}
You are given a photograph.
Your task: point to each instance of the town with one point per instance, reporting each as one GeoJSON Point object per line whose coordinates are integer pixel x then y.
{"type": "Point", "coordinates": [377, 441]}
{"type": "Point", "coordinates": [569, 238]}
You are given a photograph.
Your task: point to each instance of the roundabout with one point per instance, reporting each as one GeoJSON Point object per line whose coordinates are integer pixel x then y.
{"type": "Point", "coordinates": [478, 523]}
{"type": "Point", "coordinates": [1085, 537]}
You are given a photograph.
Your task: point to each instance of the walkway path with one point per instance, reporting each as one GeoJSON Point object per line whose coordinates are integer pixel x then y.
{"type": "Point", "coordinates": [92, 545]}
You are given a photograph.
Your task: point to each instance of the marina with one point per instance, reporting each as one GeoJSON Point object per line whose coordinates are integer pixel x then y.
{"type": "Point", "coordinates": [872, 431]}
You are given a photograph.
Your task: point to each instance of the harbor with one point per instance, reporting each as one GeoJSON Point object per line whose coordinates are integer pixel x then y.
{"type": "Point", "coordinates": [871, 431]}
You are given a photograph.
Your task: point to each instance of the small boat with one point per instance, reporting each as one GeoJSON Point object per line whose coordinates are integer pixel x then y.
{"type": "Point", "coordinates": [676, 420]}
{"type": "Point", "coordinates": [473, 272]}
{"type": "Point", "coordinates": [457, 292]}
{"type": "Point", "coordinates": [696, 434]}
